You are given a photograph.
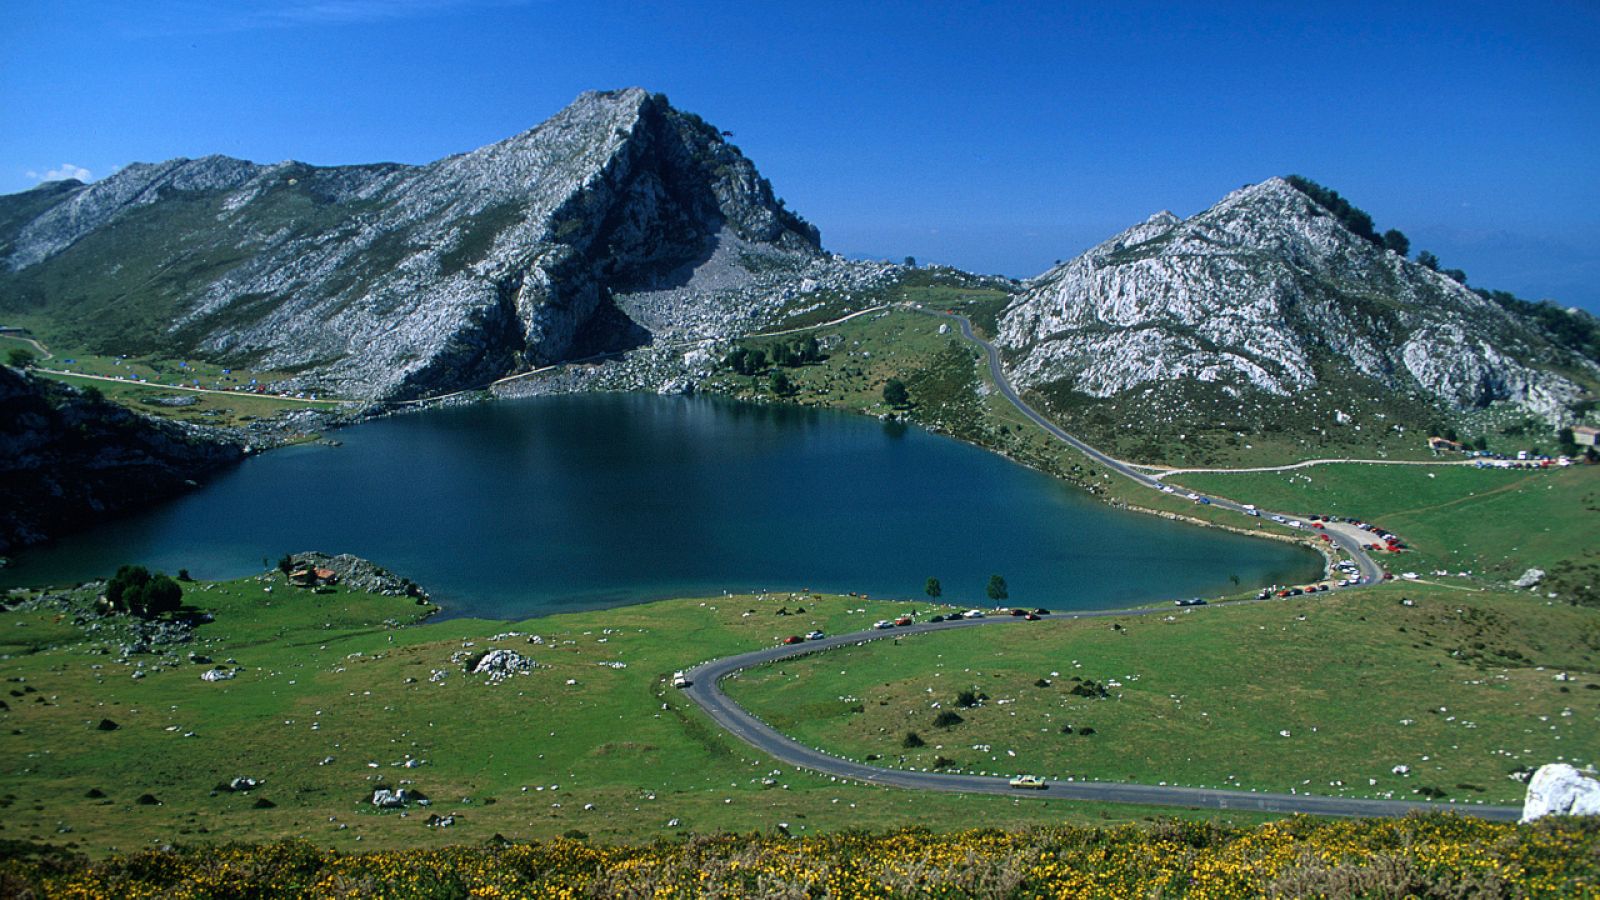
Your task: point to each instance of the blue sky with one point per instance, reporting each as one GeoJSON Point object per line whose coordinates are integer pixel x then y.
{"type": "Point", "coordinates": [995, 137]}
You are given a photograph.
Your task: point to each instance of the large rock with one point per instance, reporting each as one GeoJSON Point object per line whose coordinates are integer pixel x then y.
{"type": "Point", "coordinates": [1560, 790]}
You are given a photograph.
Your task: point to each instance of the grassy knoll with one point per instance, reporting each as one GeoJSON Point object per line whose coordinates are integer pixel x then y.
{"type": "Point", "coordinates": [147, 381]}
{"type": "Point", "coordinates": [1459, 687]}
{"type": "Point", "coordinates": [1438, 856]}
{"type": "Point", "coordinates": [202, 409]}
{"type": "Point", "coordinates": [335, 692]}
{"type": "Point", "coordinates": [1494, 523]}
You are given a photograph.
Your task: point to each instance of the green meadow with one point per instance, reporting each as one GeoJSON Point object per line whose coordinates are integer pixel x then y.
{"type": "Point", "coordinates": [1323, 695]}
{"type": "Point", "coordinates": [335, 693]}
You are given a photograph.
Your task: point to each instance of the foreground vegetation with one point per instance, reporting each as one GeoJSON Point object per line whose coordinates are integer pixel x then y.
{"type": "Point", "coordinates": [1435, 856]}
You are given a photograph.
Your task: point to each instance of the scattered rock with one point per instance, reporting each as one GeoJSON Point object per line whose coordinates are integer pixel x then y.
{"type": "Point", "coordinates": [385, 798]}
{"type": "Point", "coordinates": [218, 674]}
{"type": "Point", "coordinates": [1558, 789]}
{"type": "Point", "coordinates": [1530, 578]}
{"type": "Point", "coordinates": [438, 821]}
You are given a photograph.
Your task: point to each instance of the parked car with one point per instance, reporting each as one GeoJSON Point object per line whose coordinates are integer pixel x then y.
{"type": "Point", "coordinates": [815, 636]}
{"type": "Point", "coordinates": [680, 680]}
{"type": "Point", "coordinates": [1019, 612]}
{"type": "Point", "coordinates": [954, 617]}
{"type": "Point", "coordinates": [936, 618]}
{"type": "Point", "coordinates": [974, 613]}
{"type": "Point", "coordinates": [794, 639]}
{"type": "Point", "coordinates": [1033, 782]}
{"type": "Point", "coordinates": [1031, 617]}
{"type": "Point", "coordinates": [903, 620]}
{"type": "Point", "coordinates": [883, 623]}
{"type": "Point", "coordinates": [1192, 601]}
{"type": "Point", "coordinates": [1041, 611]}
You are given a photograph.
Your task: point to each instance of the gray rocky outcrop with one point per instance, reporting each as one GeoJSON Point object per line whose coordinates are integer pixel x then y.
{"type": "Point", "coordinates": [1558, 789]}
{"type": "Point", "coordinates": [1268, 292]}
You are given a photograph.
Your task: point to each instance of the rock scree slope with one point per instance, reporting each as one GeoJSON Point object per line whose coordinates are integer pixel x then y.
{"type": "Point", "coordinates": [390, 281]}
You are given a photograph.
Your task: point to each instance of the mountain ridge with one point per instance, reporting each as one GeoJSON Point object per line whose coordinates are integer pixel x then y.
{"type": "Point", "coordinates": [388, 280]}
{"type": "Point", "coordinates": [1253, 295]}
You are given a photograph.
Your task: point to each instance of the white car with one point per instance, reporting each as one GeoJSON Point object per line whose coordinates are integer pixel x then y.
{"type": "Point", "coordinates": [680, 680]}
{"type": "Point", "coordinates": [1028, 781]}
{"type": "Point", "coordinates": [882, 623]}
{"type": "Point", "coordinates": [815, 636]}
{"type": "Point", "coordinates": [974, 613]}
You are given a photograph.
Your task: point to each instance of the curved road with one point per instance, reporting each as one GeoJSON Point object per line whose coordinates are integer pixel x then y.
{"type": "Point", "coordinates": [1350, 539]}
{"type": "Point", "coordinates": [706, 691]}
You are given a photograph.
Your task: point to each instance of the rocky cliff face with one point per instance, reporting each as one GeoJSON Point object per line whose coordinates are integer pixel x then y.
{"type": "Point", "coordinates": [1266, 293]}
{"type": "Point", "coordinates": [68, 460]}
{"type": "Point", "coordinates": [393, 281]}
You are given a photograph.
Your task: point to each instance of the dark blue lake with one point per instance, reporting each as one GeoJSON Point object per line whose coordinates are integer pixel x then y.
{"type": "Point", "coordinates": [526, 507]}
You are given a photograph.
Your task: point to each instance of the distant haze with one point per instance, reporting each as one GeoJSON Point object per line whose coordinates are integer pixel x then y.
{"type": "Point", "coordinates": [997, 139]}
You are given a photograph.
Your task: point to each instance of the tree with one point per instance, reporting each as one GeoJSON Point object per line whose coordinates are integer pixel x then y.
{"type": "Point", "coordinates": [133, 589]}
{"type": "Point", "coordinates": [911, 261]}
{"type": "Point", "coordinates": [781, 384]}
{"type": "Point", "coordinates": [738, 359]}
{"type": "Point", "coordinates": [286, 564]}
{"type": "Point", "coordinates": [895, 393]}
{"type": "Point", "coordinates": [19, 358]}
{"type": "Point", "coordinates": [161, 595]}
{"type": "Point", "coordinates": [1569, 445]}
{"type": "Point", "coordinates": [1394, 240]}
{"type": "Point", "coordinates": [1456, 275]}
{"type": "Point", "coordinates": [997, 588]}
{"type": "Point", "coordinates": [127, 587]}
{"type": "Point", "coordinates": [1427, 260]}
{"type": "Point", "coordinates": [933, 588]}
{"type": "Point", "coordinates": [1451, 436]}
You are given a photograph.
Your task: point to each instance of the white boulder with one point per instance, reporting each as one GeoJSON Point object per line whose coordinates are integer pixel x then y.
{"type": "Point", "coordinates": [1559, 789]}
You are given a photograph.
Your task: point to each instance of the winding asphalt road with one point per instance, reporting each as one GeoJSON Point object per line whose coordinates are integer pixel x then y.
{"type": "Point", "coordinates": [705, 688]}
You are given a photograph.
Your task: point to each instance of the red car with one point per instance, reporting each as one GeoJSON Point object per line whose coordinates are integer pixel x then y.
{"type": "Point", "coordinates": [794, 639]}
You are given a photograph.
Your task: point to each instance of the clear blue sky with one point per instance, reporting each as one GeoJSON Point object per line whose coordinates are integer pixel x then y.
{"type": "Point", "coordinates": [996, 137]}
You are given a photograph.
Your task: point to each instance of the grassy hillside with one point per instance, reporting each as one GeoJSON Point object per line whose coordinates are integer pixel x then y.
{"type": "Point", "coordinates": [1494, 523]}
{"type": "Point", "coordinates": [334, 693]}
{"type": "Point", "coordinates": [1324, 696]}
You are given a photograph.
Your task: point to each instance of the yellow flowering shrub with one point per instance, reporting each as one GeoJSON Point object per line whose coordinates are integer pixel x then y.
{"type": "Point", "coordinates": [1437, 855]}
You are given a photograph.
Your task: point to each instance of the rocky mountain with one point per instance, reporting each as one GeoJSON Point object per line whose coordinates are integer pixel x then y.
{"type": "Point", "coordinates": [619, 222]}
{"type": "Point", "coordinates": [67, 458]}
{"type": "Point", "coordinates": [1264, 299]}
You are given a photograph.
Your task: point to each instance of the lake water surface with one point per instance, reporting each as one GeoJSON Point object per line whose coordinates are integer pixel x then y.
{"type": "Point", "coordinates": [527, 507]}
